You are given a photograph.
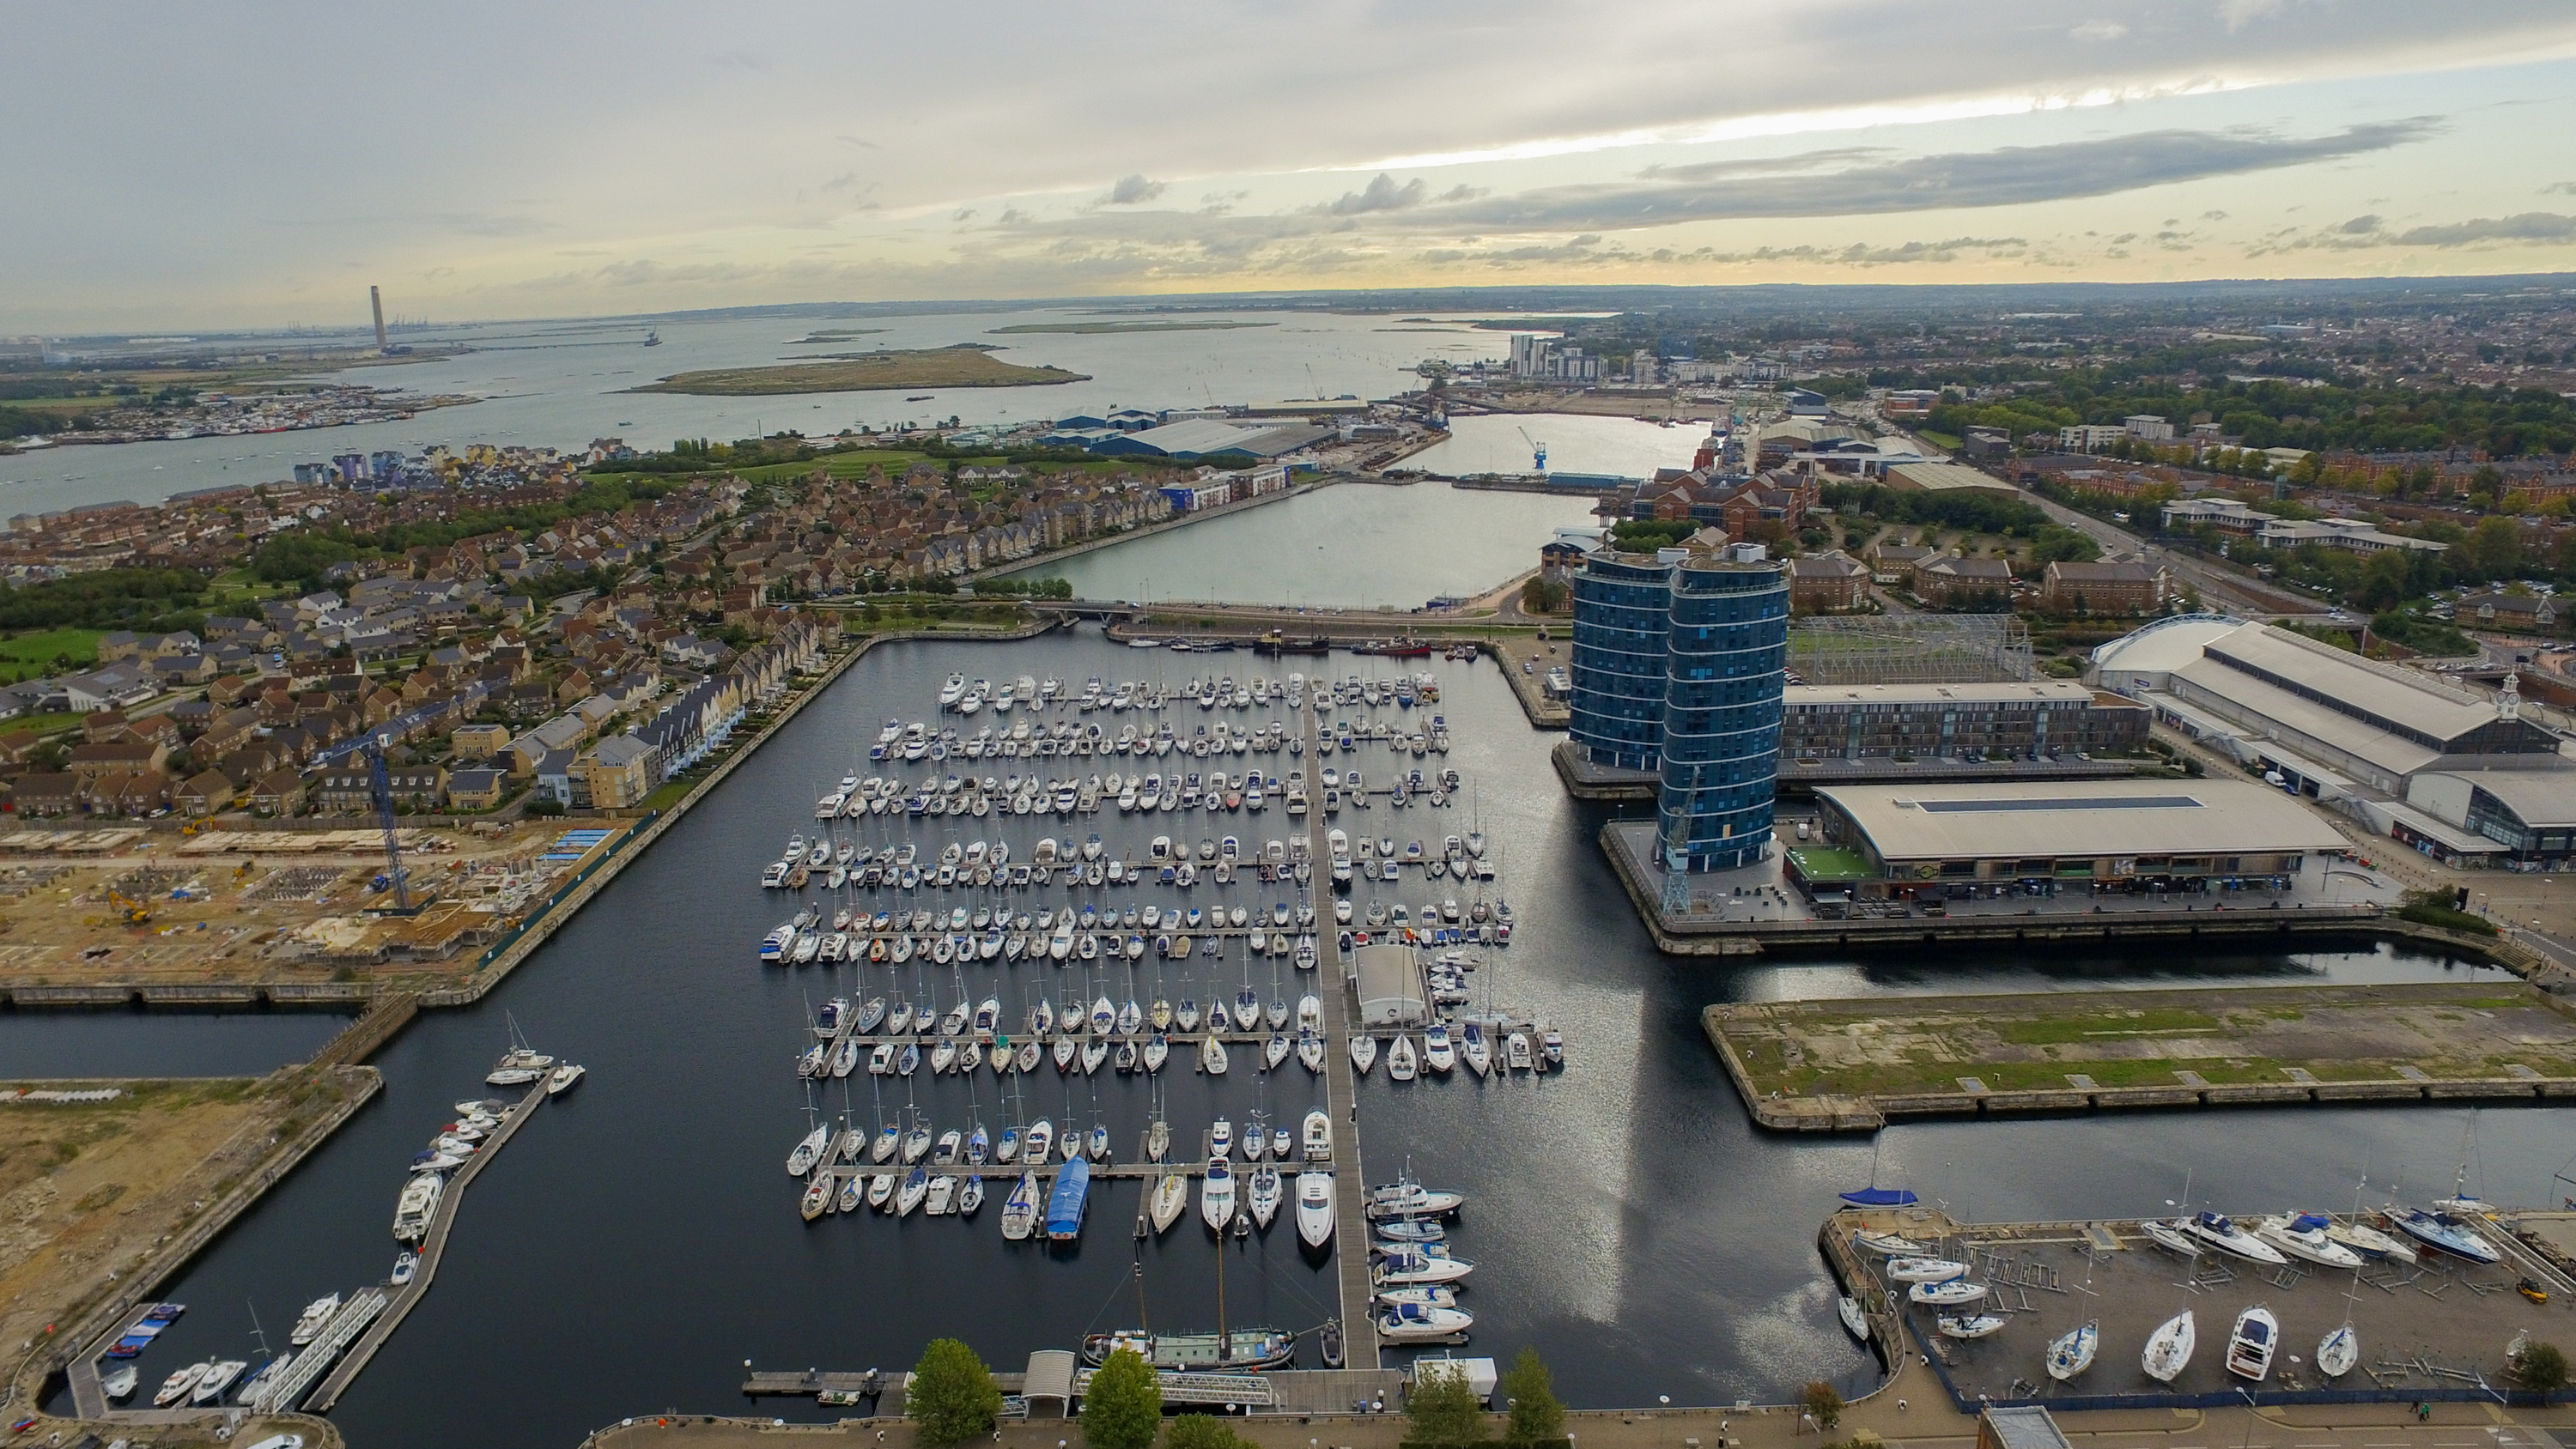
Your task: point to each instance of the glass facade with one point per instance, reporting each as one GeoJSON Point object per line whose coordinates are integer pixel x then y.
{"type": "Point", "coordinates": [1726, 653]}
{"type": "Point", "coordinates": [1622, 607]}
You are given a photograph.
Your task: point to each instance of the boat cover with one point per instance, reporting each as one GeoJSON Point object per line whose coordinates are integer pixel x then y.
{"type": "Point", "coordinates": [2307, 1223]}
{"type": "Point", "coordinates": [1880, 1197]}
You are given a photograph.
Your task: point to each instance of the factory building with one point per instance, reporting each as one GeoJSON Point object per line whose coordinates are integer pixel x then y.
{"type": "Point", "coordinates": [2088, 836]}
{"type": "Point", "coordinates": [1679, 663]}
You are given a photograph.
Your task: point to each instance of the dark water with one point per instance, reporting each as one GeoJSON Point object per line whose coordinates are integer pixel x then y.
{"type": "Point", "coordinates": [135, 1043]}
{"type": "Point", "coordinates": [638, 1240]}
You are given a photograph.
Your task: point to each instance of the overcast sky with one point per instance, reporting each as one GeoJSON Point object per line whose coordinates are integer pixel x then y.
{"type": "Point", "coordinates": [260, 163]}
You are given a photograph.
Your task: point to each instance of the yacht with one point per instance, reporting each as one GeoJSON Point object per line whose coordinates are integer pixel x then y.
{"type": "Point", "coordinates": [1318, 1136]}
{"type": "Point", "coordinates": [2169, 1348]}
{"type": "Point", "coordinates": [1925, 1270]}
{"type": "Point", "coordinates": [1363, 1052]}
{"type": "Point", "coordinates": [1212, 1055]}
{"type": "Point", "coordinates": [1020, 1209]}
{"type": "Point", "coordinates": [2071, 1352]}
{"type": "Point", "coordinates": [1402, 1064]}
{"type": "Point", "coordinates": [418, 1202]}
{"type": "Point", "coordinates": [1264, 1193]}
{"type": "Point", "coordinates": [1974, 1325]}
{"type": "Point", "coordinates": [1216, 1194]}
{"type": "Point", "coordinates": [1422, 1323]}
{"type": "Point", "coordinates": [2337, 1352]}
{"type": "Point", "coordinates": [2442, 1230]}
{"type": "Point", "coordinates": [176, 1387]}
{"type": "Point", "coordinates": [1437, 1054]}
{"type": "Point", "coordinates": [316, 1314]}
{"type": "Point", "coordinates": [1315, 1208]}
{"type": "Point", "coordinates": [1171, 1197]}
{"type": "Point", "coordinates": [120, 1384]}
{"type": "Point", "coordinates": [2252, 1342]}
{"type": "Point", "coordinates": [2219, 1232]}
{"type": "Point", "coordinates": [2304, 1236]}
{"type": "Point", "coordinates": [217, 1378]}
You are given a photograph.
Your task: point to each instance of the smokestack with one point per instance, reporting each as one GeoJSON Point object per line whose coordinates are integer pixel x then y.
{"type": "Point", "coordinates": [376, 300]}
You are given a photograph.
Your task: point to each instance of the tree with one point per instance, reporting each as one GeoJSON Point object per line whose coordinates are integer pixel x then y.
{"type": "Point", "coordinates": [1443, 1409]}
{"type": "Point", "coordinates": [2541, 1369]}
{"type": "Point", "coordinates": [1123, 1407]}
{"type": "Point", "coordinates": [1203, 1431]}
{"type": "Point", "coordinates": [2056, 543]}
{"type": "Point", "coordinates": [1822, 1402]}
{"type": "Point", "coordinates": [1536, 1417]}
{"type": "Point", "coordinates": [952, 1395]}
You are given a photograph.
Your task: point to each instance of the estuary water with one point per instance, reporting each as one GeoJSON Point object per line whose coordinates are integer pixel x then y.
{"type": "Point", "coordinates": [639, 1241]}
{"type": "Point", "coordinates": [561, 384]}
{"type": "Point", "coordinates": [1353, 545]}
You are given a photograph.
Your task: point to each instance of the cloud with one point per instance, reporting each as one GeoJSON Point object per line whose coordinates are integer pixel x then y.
{"type": "Point", "coordinates": [1132, 191]}
{"type": "Point", "coordinates": [2539, 226]}
{"type": "Point", "coordinates": [1382, 195]}
{"type": "Point", "coordinates": [856, 141]}
{"type": "Point", "coordinates": [2098, 30]}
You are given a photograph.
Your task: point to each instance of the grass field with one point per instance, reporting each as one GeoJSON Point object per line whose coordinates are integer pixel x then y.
{"type": "Point", "coordinates": [36, 653]}
{"type": "Point", "coordinates": [873, 372]}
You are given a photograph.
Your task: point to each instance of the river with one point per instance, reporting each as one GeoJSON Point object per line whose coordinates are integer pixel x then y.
{"type": "Point", "coordinates": [561, 384]}
{"type": "Point", "coordinates": [639, 1241]}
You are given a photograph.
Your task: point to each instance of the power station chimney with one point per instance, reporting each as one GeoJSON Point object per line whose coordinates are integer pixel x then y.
{"type": "Point", "coordinates": [376, 300]}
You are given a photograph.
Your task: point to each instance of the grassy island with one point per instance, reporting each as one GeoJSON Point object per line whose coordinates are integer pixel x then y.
{"type": "Point", "coordinates": [865, 372]}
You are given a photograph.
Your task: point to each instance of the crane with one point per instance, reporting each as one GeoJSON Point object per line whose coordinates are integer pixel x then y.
{"type": "Point", "coordinates": [1538, 450]}
{"type": "Point", "coordinates": [396, 877]}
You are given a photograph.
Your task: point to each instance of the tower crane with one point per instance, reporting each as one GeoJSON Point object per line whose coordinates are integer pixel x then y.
{"type": "Point", "coordinates": [1538, 450]}
{"type": "Point", "coordinates": [396, 877]}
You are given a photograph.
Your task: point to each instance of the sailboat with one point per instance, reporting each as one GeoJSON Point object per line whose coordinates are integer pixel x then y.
{"type": "Point", "coordinates": [2071, 1352]}
{"type": "Point", "coordinates": [2338, 1351]}
{"type": "Point", "coordinates": [1363, 1052]}
{"type": "Point", "coordinates": [1020, 1209]}
{"type": "Point", "coordinates": [2168, 1350]}
{"type": "Point", "coordinates": [1171, 1197]}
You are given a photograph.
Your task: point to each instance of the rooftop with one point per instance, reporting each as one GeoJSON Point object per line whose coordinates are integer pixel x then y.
{"type": "Point", "coordinates": [2079, 818]}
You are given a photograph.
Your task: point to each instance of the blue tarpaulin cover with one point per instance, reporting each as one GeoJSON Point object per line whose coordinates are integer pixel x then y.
{"type": "Point", "coordinates": [1880, 1197]}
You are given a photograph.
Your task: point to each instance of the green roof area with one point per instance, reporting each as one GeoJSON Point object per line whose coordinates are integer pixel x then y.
{"type": "Point", "coordinates": [1828, 865]}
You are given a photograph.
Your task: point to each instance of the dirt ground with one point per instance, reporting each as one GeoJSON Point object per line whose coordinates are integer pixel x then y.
{"type": "Point", "coordinates": [158, 908]}
{"type": "Point", "coordinates": [90, 1189]}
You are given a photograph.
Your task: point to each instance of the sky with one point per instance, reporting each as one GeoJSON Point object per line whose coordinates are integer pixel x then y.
{"type": "Point", "coordinates": [262, 163]}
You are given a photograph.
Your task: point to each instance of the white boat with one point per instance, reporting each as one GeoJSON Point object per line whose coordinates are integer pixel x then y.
{"type": "Point", "coordinates": [419, 1201]}
{"type": "Point", "coordinates": [1976, 1325]}
{"type": "Point", "coordinates": [1216, 1194]}
{"type": "Point", "coordinates": [1315, 1213]}
{"type": "Point", "coordinates": [1925, 1270]}
{"type": "Point", "coordinates": [1948, 1293]}
{"type": "Point", "coordinates": [2252, 1342]}
{"type": "Point", "coordinates": [406, 1266]}
{"type": "Point", "coordinates": [1212, 1056]}
{"type": "Point", "coordinates": [1890, 1245]}
{"type": "Point", "coordinates": [1435, 1295]}
{"type": "Point", "coordinates": [1437, 1054]}
{"type": "Point", "coordinates": [310, 1322]}
{"type": "Point", "coordinates": [1422, 1323]}
{"type": "Point", "coordinates": [176, 1387]}
{"type": "Point", "coordinates": [2217, 1230]}
{"type": "Point", "coordinates": [1402, 1064]}
{"type": "Point", "coordinates": [1020, 1210]}
{"type": "Point", "coordinates": [569, 1075]}
{"type": "Point", "coordinates": [120, 1384]}
{"type": "Point", "coordinates": [1363, 1052]}
{"type": "Point", "coordinates": [2441, 1230]}
{"type": "Point", "coordinates": [2168, 1350]}
{"type": "Point", "coordinates": [1476, 1051]}
{"type": "Point", "coordinates": [2304, 1236]}
{"type": "Point", "coordinates": [1171, 1196]}
{"type": "Point", "coordinates": [801, 1160]}
{"type": "Point", "coordinates": [2370, 1242]}
{"type": "Point", "coordinates": [1855, 1321]}
{"type": "Point", "coordinates": [2337, 1352]}
{"type": "Point", "coordinates": [1409, 1266]}
{"type": "Point", "coordinates": [217, 1378]}
{"type": "Point", "coordinates": [1317, 1136]}
{"type": "Point", "coordinates": [2170, 1237]}
{"type": "Point", "coordinates": [1263, 1194]}
{"type": "Point", "coordinates": [2071, 1352]}
{"type": "Point", "coordinates": [916, 1186]}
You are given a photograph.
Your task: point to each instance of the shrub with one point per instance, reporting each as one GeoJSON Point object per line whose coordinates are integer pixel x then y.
{"type": "Point", "coordinates": [2541, 1369]}
{"type": "Point", "coordinates": [1203, 1431]}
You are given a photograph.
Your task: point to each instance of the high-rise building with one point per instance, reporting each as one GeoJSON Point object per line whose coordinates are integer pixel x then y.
{"type": "Point", "coordinates": [1680, 659]}
{"type": "Point", "coordinates": [376, 300]}
{"type": "Point", "coordinates": [1727, 665]}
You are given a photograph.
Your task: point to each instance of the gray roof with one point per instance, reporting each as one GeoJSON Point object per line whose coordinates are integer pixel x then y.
{"type": "Point", "coordinates": [2401, 696]}
{"type": "Point", "coordinates": [2080, 818]}
{"type": "Point", "coordinates": [2538, 798]}
{"type": "Point", "coordinates": [1835, 696]}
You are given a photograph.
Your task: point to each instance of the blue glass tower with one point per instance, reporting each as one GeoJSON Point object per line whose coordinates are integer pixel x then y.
{"type": "Point", "coordinates": [1726, 653]}
{"type": "Point", "coordinates": [1622, 609]}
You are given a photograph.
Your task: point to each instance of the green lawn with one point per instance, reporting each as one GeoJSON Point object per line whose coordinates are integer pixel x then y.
{"type": "Point", "coordinates": [36, 653]}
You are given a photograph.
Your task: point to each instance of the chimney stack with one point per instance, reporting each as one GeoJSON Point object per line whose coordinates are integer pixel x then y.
{"type": "Point", "coordinates": [376, 300]}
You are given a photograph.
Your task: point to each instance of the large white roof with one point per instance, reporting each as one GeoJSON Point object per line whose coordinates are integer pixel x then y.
{"type": "Point", "coordinates": [2164, 646]}
{"type": "Point", "coordinates": [2040, 819]}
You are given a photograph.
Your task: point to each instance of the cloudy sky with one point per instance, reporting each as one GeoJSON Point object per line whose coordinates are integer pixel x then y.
{"type": "Point", "coordinates": [260, 163]}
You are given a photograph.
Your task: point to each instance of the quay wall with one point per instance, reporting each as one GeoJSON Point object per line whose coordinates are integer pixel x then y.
{"type": "Point", "coordinates": [1183, 520]}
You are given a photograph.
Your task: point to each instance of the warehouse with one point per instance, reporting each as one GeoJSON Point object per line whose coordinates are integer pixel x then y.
{"type": "Point", "coordinates": [2086, 836]}
{"type": "Point", "coordinates": [1213, 441]}
{"type": "Point", "coordinates": [2528, 815]}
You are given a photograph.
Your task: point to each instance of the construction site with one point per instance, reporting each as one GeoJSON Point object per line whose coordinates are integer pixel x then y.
{"type": "Point", "coordinates": [103, 916]}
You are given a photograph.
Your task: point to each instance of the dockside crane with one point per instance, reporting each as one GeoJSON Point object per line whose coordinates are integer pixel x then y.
{"type": "Point", "coordinates": [1538, 450]}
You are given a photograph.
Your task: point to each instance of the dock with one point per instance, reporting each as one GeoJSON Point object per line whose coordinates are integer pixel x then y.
{"type": "Point", "coordinates": [1341, 1103]}
{"type": "Point", "coordinates": [2432, 1330]}
{"type": "Point", "coordinates": [433, 1245]}
{"type": "Point", "coordinates": [1284, 1391]}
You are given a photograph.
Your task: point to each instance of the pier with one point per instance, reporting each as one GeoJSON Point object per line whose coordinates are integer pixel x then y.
{"type": "Point", "coordinates": [1341, 1104]}
{"type": "Point", "coordinates": [433, 1245]}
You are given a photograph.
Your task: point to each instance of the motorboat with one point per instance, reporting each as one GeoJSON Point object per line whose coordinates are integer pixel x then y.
{"type": "Point", "coordinates": [1948, 1293]}
{"type": "Point", "coordinates": [310, 1323]}
{"type": "Point", "coordinates": [1409, 1266]}
{"type": "Point", "coordinates": [2338, 1351]}
{"type": "Point", "coordinates": [1216, 1194]}
{"type": "Point", "coordinates": [1408, 1199]}
{"type": "Point", "coordinates": [2370, 1242]}
{"type": "Point", "coordinates": [1977, 1325]}
{"type": "Point", "coordinates": [176, 1387]}
{"type": "Point", "coordinates": [1363, 1052]}
{"type": "Point", "coordinates": [120, 1384]}
{"type": "Point", "coordinates": [1317, 1136]}
{"type": "Point", "coordinates": [1422, 1323]}
{"type": "Point", "coordinates": [2071, 1352]}
{"type": "Point", "coordinates": [2170, 1237]}
{"type": "Point", "coordinates": [1925, 1270]}
{"type": "Point", "coordinates": [2168, 1350]}
{"type": "Point", "coordinates": [1035, 1144]}
{"type": "Point", "coordinates": [2441, 1230]}
{"type": "Point", "coordinates": [2217, 1230]}
{"type": "Point", "coordinates": [413, 1210]}
{"type": "Point", "coordinates": [1855, 1321]}
{"type": "Point", "coordinates": [2304, 1236]}
{"type": "Point", "coordinates": [1315, 1212]}
{"type": "Point", "coordinates": [2252, 1342]}
{"type": "Point", "coordinates": [1437, 1053]}
{"type": "Point", "coordinates": [218, 1377]}
{"type": "Point", "coordinates": [406, 1267]}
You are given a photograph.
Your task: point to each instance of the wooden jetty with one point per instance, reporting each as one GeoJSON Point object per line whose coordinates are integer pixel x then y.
{"type": "Point", "coordinates": [1341, 1096]}
{"type": "Point", "coordinates": [433, 1244]}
